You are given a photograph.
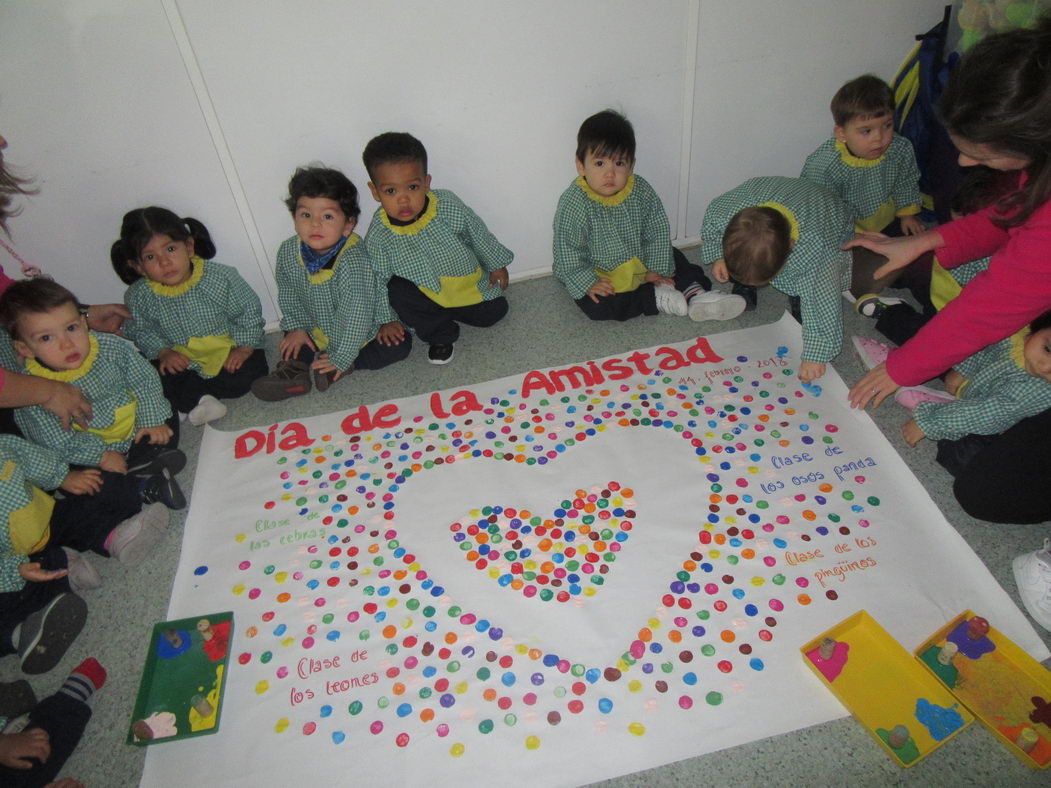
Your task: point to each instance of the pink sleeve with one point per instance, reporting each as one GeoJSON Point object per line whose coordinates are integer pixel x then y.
{"type": "Point", "coordinates": [1014, 290]}
{"type": "Point", "coordinates": [971, 237]}
{"type": "Point", "coordinates": [5, 281]}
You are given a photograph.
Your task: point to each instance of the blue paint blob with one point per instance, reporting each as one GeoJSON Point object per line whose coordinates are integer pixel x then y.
{"type": "Point", "coordinates": [605, 705]}
{"type": "Point", "coordinates": [338, 737]}
{"type": "Point", "coordinates": [200, 570]}
{"type": "Point", "coordinates": [756, 664]}
{"type": "Point", "coordinates": [325, 710]}
{"type": "Point", "coordinates": [938, 720]}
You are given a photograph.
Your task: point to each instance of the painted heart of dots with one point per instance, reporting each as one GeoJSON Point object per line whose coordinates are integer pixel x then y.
{"type": "Point", "coordinates": [553, 559]}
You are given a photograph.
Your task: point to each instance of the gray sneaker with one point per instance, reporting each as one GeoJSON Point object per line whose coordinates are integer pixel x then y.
{"type": "Point", "coordinates": [134, 538]}
{"type": "Point", "coordinates": [82, 575]}
{"type": "Point", "coordinates": [289, 379]}
{"type": "Point", "coordinates": [45, 636]}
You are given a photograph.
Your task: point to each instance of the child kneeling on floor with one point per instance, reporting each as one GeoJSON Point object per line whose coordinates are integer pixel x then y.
{"type": "Point", "coordinates": [612, 242]}
{"type": "Point", "coordinates": [197, 320]}
{"type": "Point", "coordinates": [333, 311]}
{"type": "Point", "coordinates": [438, 261]}
{"type": "Point", "coordinates": [128, 438]}
{"type": "Point", "coordinates": [785, 232]}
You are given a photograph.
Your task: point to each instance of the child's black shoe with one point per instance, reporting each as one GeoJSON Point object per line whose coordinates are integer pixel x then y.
{"type": "Point", "coordinates": [440, 354]}
{"type": "Point", "coordinates": [153, 462]}
{"type": "Point", "coordinates": [749, 293]}
{"type": "Point", "coordinates": [162, 488]}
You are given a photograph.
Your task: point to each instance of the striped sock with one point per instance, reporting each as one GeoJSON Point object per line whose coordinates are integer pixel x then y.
{"type": "Point", "coordinates": [692, 289]}
{"type": "Point", "coordinates": [86, 677]}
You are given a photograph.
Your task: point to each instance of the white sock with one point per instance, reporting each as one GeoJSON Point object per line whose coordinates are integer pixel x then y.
{"type": "Point", "coordinates": [208, 409]}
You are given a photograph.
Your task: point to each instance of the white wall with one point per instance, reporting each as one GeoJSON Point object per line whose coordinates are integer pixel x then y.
{"type": "Point", "coordinates": [207, 107]}
{"type": "Point", "coordinates": [766, 72]}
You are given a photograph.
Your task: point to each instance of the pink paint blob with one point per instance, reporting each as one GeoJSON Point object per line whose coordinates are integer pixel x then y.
{"type": "Point", "coordinates": [309, 728]}
{"type": "Point", "coordinates": [376, 728]}
{"type": "Point", "coordinates": [777, 604]}
{"type": "Point", "coordinates": [282, 672]}
{"type": "Point", "coordinates": [442, 730]}
{"type": "Point", "coordinates": [685, 702]}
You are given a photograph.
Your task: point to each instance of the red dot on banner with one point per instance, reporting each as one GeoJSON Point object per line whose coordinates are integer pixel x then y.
{"type": "Point", "coordinates": [269, 505]}
{"type": "Point", "coordinates": [309, 728]}
{"type": "Point", "coordinates": [576, 706]}
{"type": "Point", "coordinates": [725, 666]}
{"type": "Point", "coordinates": [402, 740]}
{"type": "Point", "coordinates": [245, 658]}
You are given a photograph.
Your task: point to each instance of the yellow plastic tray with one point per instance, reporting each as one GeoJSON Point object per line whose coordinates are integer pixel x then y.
{"type": "Point", "coordinates": [883, 687]}
{"type": "Point", "coordinates": [1002, 687]}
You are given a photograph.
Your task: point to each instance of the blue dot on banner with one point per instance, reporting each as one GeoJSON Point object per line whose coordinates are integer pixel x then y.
{"type": "Point", "coordinates": [756, 664]}
{"type": "Point", "coordinates": [334, 635]}
{"type": "Point", "coordinates": [429, 671]}
{"type": "Point", "coordinates": [338, 737]}
{"type": "Point", "coordinates": [279, 630]}
{"type": "Point", "coordinates": [325, 710]}
{"type": "Point", "coordinates": [605, 705]}
{"type": "Point", "coordinates": [738, 593]}
{"type": "Point", "coordinates": [550, 660]}
{"type": "Point", "coordinates": [404, 710]}
{"type": "Point", "coordinates": [200, 570]}
{"type": "Point", "coordinates": [689, 678]}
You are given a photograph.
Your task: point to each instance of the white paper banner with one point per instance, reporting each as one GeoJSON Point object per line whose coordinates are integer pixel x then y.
{"type": "Point", "coordinates": [558, 577]}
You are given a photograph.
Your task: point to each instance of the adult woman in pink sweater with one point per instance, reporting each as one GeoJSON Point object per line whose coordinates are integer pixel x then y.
{"type": "Point", "coordinates": [997, 109]}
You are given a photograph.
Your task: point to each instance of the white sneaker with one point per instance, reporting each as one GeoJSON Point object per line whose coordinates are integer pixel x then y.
{"type": "Point", "coordinates": [82, 575]}
{"type": "Point", "coordinates": [1033, 576]}
{"type": "Point", "coordinates": [715, 306]}
{"type": "Point", "coordinates": [208, 409]}
{"type": "Point", "coordinates": [670, 301]}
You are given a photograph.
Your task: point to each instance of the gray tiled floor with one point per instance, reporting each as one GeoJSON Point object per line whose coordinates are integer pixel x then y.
{"type": "Point", "coordinates": [544, 329]}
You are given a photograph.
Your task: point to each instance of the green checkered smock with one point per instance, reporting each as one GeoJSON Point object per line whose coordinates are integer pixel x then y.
{"type": "Point", "coordinates": [344, 302]}
{"type": "Point", "coordinates": [114, 377]}
{"type": "Point", "coordinates": [215, 302]}
{"type": "Point", "coordinates": [447, 240]}
{"type": "Point", "coordinates": [593, 231]}
{"type": "Point", "coordinates": [817, 270]}
{"type": "Point", "coordinates": [877, 190]}
{"type": "Point", "coordinates": [26, 470]}
{"type": "Point", "coordinates": [998, 394]}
